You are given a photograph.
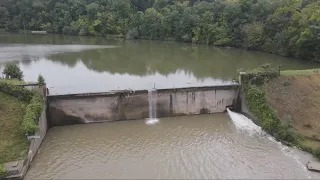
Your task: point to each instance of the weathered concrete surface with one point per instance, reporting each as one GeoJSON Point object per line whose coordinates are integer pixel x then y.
{"type": "Point", "coordinates": [313, 166]}
{"type": "Point", "coordinates": [126, 105]}
{"type": "Point", "coordinates": [13, 168]}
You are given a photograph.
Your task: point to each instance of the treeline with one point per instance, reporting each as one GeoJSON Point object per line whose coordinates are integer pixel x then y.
{"type": "Point", "coordinates": [285, 27]}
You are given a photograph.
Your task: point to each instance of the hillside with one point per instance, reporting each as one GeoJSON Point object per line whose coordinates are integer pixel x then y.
{"type": "Point", "coordinates": [296, 99]}
{"type": "Point", "coordinates": [13, 143]}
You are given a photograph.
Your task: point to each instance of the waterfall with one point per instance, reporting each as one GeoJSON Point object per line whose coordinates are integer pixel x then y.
{"type": "Point", "coordinates": [245, 124]}
{"type": "Point", "coordinates": [152, 98]}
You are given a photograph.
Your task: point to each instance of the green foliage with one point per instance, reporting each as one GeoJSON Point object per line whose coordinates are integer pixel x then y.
{"type": "Point", "coordinates": [285, 135]}
{"type": "Point", "coordinates": [317, 153]}
{"type": "Point", "coordinates": [257, 102]}
{"type": "Point", "coordinates": [260, 75]}
{"type": "Point", "coordinates": [252, 35]}
{"type": "Point", "coordinates": [33, 112]}
{"type": "Point", "coordinates": [299, 72]}
{"type": "Point", "coordinates": [285, 27]}
{"type": "Point", "coordinates": [12, 71]}
{"type": "Point", "coordinates": [41, 80]}
{"type": "Point", "coordinates": [34, 108]}
{"type": "Point", "coordinates": [16, 91]}
{"type": "Point", "coordinates": [307, 149]}
{"type": "Point", "coordinates": [3, 170]}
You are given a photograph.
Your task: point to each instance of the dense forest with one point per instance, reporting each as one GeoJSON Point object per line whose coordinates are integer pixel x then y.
{"type": "Point", "coordinates": [285, 27]}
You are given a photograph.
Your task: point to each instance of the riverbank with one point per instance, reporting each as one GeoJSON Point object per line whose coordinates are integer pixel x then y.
{"type": "Point", "coordinates": [288, 106]}
{"type": "Point", "coordinates": [296, 98]}
{"type": "Point", "coordinates": [13, 143]}
{"type": "Point", "coordinates": [20, 107]}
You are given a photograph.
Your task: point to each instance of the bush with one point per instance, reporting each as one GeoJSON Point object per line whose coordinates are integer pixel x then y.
{"type": "Point", "coordinates": [12, 71]}
{"type": "Point", "coordinates": [33, 112]}
{"type": "Point", "coordinates": [305, 148]}
{"type": "Point", "coordinates": [317, 153]}
{"type": "Point", "coordinates": [132, 34]}
{"type": "Point", "coordinates": [258, 104]}
{"type": "Point", "coordinates": [41, 80]}
{"type": "Point", "coordinates": [66, 30]}
{"type": "Point", "coordinates": [34, 108]}
{"type": "Point", "coordinates": [260, 75]}
{"type": "Point", "coordinates": [285, 135]}
{"type": "Point", "coordinates": [16, 91]}
{"type": "Point", "coordinates": [3, 170]}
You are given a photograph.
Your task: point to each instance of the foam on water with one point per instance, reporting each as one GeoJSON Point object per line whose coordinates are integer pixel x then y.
{"type": "Point", "coordinates": [245, 124]}
{"type": "Point", "coordinates": [152, 121]}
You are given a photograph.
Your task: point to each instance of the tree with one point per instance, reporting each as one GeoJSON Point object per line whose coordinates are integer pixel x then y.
{"type": "Point", "coordinates": [3, 16]}
{"type": "Point", "coordinates": [12, 71]}
{"type": "Point", "coordinates": [285, 27]}
{"type": "Point", "coordinates": [142, 5]}
{"type": "Point", "coordinates": [252, 35]}
{"type": "Point", "coordinates": [41, 80]}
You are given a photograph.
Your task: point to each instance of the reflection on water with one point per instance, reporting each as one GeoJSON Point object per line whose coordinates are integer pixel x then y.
{"type": "Point", "coordinates": [32, 52]}
{"type": "Point", "coordinates": [69, 63]}
{"type": "Point", "coordinates": [62, 79]}
{"type": "Point", "coordinates": [194, 147]}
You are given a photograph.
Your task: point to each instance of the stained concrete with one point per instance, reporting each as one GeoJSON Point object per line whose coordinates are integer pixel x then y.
{"type": "Point", "coordinates": [313, 166]}
{"type": "Point", "coordinates": [14, 168]}
{"type": "Point", "coordinates": [127, 105]}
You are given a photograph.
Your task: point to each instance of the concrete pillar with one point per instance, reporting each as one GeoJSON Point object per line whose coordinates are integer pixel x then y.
{"type": "Point", "coordinates": [240, 77]}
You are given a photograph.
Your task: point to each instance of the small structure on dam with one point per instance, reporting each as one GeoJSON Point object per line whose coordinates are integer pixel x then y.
{"type": "Point", "coordinates": [128, 105]}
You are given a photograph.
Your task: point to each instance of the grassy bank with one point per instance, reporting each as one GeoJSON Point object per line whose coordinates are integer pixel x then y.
{"type": "Point", "coordinates": [300, 72]}
{"type": "Point", "coordinates": [13, 143]}
{"type": "Point", "coordinates": [13, 81]}
{"type": "Point", "coordinates": [288, 107]}
{"type": "Point", "coordinates": [20, 109]}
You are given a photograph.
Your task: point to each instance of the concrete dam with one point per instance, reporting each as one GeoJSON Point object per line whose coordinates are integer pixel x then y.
{"type": "Point", "coordinates": [134, 149]}
{"type": "Point", "coordinates": [129, 105]}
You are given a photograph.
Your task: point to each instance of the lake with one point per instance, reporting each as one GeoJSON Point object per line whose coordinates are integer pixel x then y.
{"type": "Point", "coordinates": [217, 146]}
{"type": "Point", "coordinates": [73, 64]}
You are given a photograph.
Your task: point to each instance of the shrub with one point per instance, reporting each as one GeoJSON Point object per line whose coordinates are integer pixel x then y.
{"type": "Point", "coordinates": [16, 91]}
{"type": "Point", "coordinates": [12, 71]}
{"type": "Point", "coordinates": [285, 135]}
{"type": "Point", "coordinates": [33, 112]}
{"type": "Point", "coordinates": [305, 148]}
{"type": "Point", "coordinates": [257, 103]}
{"type": "Point", "coordinates": [317, 153]}
{"type": "Point", "coordinates": [41, 80]}
{"type": "Point", "coordinates": [286, 83]}
{"type": "Point", "coordinates": [3, 170]}
{"type": "Point", "coordinates": [307, 125]}
{"type": "Point", "coordinates": [34, 108]}
{"type": "Point", "coordinates": [260, 75]}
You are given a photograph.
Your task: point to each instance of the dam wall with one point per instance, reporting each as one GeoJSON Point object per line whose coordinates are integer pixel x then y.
{"type": "Point", "coordinates": [128, 105]}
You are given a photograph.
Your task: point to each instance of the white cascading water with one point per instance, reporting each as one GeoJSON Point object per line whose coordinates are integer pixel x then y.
{"type": "Point", "coordinates": [243, 123]}
{"type": "Point", "coordinates": [152, 98]}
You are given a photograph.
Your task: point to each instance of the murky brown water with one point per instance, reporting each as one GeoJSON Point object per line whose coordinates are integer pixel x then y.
{"type": "Point", "coordinates": [197, 147]}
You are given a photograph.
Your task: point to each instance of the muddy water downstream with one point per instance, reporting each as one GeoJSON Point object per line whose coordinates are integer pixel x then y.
{"type": "Point", "coordinates": [196, 147]}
